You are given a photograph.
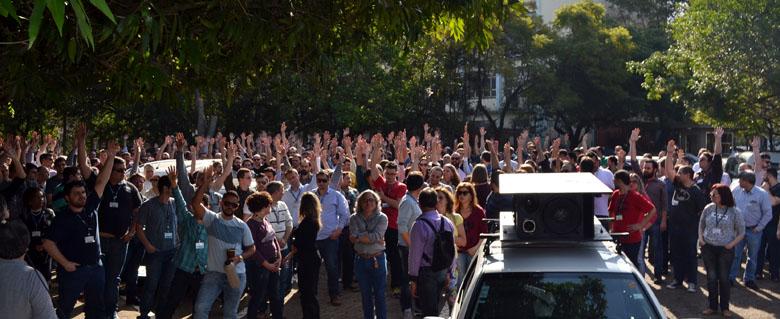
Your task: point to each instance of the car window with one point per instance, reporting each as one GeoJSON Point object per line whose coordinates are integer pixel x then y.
{"type": "Point", "coordinates": [560, 295]}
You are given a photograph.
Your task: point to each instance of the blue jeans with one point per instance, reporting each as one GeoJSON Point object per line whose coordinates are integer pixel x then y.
{"type": "Point", "coordinates": [285, 275]}
{"type": "Point", "coordinates": [88, 279]}
{"type": "Point", "coordinates": [159, 276]}
{"type": "Point", "coordinates": [135, 254]}
{"type": "Point", "coordinates": [329, 250]}
{"type": "Point", "coordinates": [464, 260]}
{"type": "Point", "coordinates": [263, 287]}
{"type": "Point", "coordinates": [114, 251]}
{"type": "Point", "coordinates": [373, 283]}
{"type": "Point", "coordinates": [213, 284]}
{"type": "Point", "coordinates": [752, 240]}
{"type": "Point", "coordinates": [653, 237]}
{"type": "Point", "coordinates": [403, 279]}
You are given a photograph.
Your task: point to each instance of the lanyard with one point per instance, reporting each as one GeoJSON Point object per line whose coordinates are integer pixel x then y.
{"type": "Point", "coordinates": [296, 197]}
{"type": "Point", "coordinates": [723, 216]}
{"type": "Point", "coordinates": [115, 191]}
{"type": "Point", "coordinates": [89, 228]}
{"type": "Point", "coordinates": [621, 204]}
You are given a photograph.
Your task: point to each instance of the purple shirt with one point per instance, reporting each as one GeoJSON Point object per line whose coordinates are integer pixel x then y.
{"type": "Point", "coordinates": [265, 241]}
{"type": "Point", "coordinates": [422, 238]}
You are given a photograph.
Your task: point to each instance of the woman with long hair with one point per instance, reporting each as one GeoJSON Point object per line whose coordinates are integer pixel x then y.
{"type": "Point", "coordinates": [304, 246]}
{"type": "Point", "coordinates": [637, 185]}
{"type": "Point", "coordinates": [467, 206]}
{"type": "Point", "coordinates": [481, 181]}
{"type": "Point", "coordinates": [445, 205]}
{"type": "Point", "coordinates": [450, 175]}
{"type": "Point", "coordinates": [721, 227]}
{"type": "Point", "coordinates": [367, 229]}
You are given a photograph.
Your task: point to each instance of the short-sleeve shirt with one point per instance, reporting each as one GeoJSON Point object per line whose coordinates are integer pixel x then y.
{"type": "Point", "coordinates": [687, 204]}
{"type": "Point", "coordinates": [396, 192]}
{"type": "Point", "coordinates": [116, 208]}
{"type": "Point", "coordinates": [76, 234]}
{"type": "Point", "coordinates": [456, 220]}
{"type": "Point", "coordinates": [628, 209]}
{"type": "Point", "coordinates": [280, 219]}
{"type": "Point", "coordinates": [225, 234]}
{"type": "Point", "coordinates": [161, 223]}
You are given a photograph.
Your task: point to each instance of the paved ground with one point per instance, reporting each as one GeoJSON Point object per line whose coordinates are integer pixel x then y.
{"type": "Point", "coordinates": [746, 303]}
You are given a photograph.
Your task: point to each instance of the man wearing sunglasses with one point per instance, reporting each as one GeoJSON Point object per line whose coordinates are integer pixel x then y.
{"type": "Point", "coordinates": [226, 234]}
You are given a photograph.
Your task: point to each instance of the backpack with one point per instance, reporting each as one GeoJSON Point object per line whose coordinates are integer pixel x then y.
{"type": "Point", "coordinates": [443, 247]}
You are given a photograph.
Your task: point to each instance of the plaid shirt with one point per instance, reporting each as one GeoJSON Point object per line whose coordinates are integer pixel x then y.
{"type": "Point", "coordinates": [188, 257]}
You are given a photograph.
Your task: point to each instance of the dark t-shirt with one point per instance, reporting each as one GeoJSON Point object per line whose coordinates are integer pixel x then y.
{"type": "Point", "coordinates": [76, 233]}
{"type": "Point", "coordinates": [705, 179]}
{"type": "Point", "coordinates": [117, 206]}
{"type": "Point", "coordinates": [483, 190]}
{"type": "Point", "coordinates": [775, 191]}
{"type": "Point", "coordinates": [686, 207]}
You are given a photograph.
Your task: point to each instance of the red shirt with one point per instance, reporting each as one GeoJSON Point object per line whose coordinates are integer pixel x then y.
{"type": "Point", "coordinates": [627, 210]}
{"type": "Point", "coordinates": [396, 192]}
{"type": "Point", "coordinates": [474, 225]}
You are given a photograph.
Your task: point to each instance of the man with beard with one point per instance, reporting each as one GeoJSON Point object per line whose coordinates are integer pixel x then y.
{"type": "Point", "coordinates": [688, 200]}
{"type": "Point", "coordinates": [229, 242]}
{"type": "Point", "coordinates": [74, 243]}
{"type": "Point", "coordinates": [656, 190]}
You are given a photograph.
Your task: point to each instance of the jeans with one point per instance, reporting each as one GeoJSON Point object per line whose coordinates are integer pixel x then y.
{"type": "Point", "coordinates": [406, 292]}
{"type": "Point", "coordinates": [463, 260]}
{"type": "Point", "coordinates": [135, 254]}
{"type": "Point", "coordinates": [683, 243]}
{"type": "Point", "coordinates": [91, 280]}
{"type": "Point", "coordinates": [653, 239]}
{"type": "Point", "coordinates": [329, 250]}
{"type": "Point", "coordinates": [717, 261]}
{"type": "Point", "coordinates": [308, 277]}
{"type": "Point", "coordinates": [347, 259]}
{"type": "Point", "coordinates": [183, 282]}
{"type": "Point", "coordinates": [373, 282]}
{"type": "Point", "coordinates": [393, 257]}
{"type": "Point", "coordinates": [212, 285]}
{"type": "Point", "coordinates": [285, 275]}
{"type": "Point", "coordinates": [429, 290]}
{"type": "Point", "coordinates": [159, 275]}
{"type": "Point", "coordinates": [263, 286]}
{"type": "Point", "coordinates": [770, 245]}
{"type": "Point", "coordinates": [114, 251]}
{"type": "Point", "coordinates": [752, 240]}
{"type": "Point", "coordinates": [632, 252]}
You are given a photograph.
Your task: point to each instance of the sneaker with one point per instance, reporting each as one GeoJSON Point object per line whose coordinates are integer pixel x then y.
{"type": "Point", "coordinates": [752, 285]}
{"type": "Point", "coordinates": [674, 285]}
{"type": "Point", "coordinates": [659, 282]}
{"type": "Point", "coordinates": [396, 292]}
{"type": "Point", "coordinates": [692, 288]}
{"type": "Point", "coordinates": [708, 312]}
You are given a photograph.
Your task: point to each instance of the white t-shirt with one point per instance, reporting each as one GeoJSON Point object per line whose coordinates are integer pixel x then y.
{"type": "Point", "coordinates": [601, 203]}
{"type": "Point", "coordinates": [293, 201]}
{"type": "Point", "coordinates": [223, 235]}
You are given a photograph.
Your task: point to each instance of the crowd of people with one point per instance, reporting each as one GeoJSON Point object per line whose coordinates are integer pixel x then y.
{"type": "Point", "coordinates": [384, 213]}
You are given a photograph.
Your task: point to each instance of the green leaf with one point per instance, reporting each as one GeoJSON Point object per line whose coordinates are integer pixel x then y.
{"type": "Point", "coordinates": [83, 21]}
{"type": "Point", "coordinates": [8, 8]}
{"type": "Point", "coordinates": [35, 21]}
{"type": "Point", "coordinates": [103, 7]}
{"type": "Point", "coordinates": [72, 50]}
{"type": "Point", "coordinates": [57, 10]}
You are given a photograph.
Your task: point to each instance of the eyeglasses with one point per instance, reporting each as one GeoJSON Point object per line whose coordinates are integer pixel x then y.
{"type": "Point", "coordinates": [464, 193]}
{"type": "Point", "coordinates": [230, 204]}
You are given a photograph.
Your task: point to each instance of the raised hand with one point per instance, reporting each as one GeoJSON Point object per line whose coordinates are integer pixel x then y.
{"type": "Point", "coordinates": [482, 131]}
{"type": "Point", "coordinates": [113, 148]}
{"type": "Point", "coordinates": [283, 127]}
{"type": "Point", "coordinates": [208, 175]}
{"type": "Point", "coordinates": [81, 133]}
{"type": "Point", "coordinates": [670, 148]}
{"type": "Point", "coordinates": [425, 127]}
{"type": "Point", "coordinates": [634, 135]}
{"type": "Point", "coordinates": [346, 141]}
{"type": "Point", "coordinates": [172, 176]}
{"type": "Point", "coordinates": [718, 132]}
{"type": "Point", "coordinates": [756, 143]}
{"type": "Point", "coordinates": [180, 141]}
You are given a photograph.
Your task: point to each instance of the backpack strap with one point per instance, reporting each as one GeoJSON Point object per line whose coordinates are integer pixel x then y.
{"type": "Point", "coordinates": [435, 234]}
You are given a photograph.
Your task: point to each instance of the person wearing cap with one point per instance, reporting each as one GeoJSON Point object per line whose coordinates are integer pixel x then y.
{"type": "Point", "coordinates": [756, 208]}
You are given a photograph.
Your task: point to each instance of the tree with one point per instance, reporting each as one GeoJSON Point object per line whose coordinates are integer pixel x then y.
{"type": "Point", "coordinates": [722, 66]}
{"type": "Point", "coordinates": [586, 83]}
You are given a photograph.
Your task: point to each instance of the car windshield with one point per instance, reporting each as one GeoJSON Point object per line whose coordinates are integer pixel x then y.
{"type": "Point", "coordinates": [561, 295]}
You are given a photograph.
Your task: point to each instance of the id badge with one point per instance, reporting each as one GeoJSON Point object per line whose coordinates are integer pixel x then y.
{"type": "Point", "coordinates": [675, 202]}
{"type": "Point", "coordinates": [35, 233]}
{"type": "Point", "coordinates": [89, 239]}
{"type": "Point", "coordinates": [716, 231]}
{"type": "Point", "coordinates": [113, 204]}
{"type": "Point", "coordinates": [200, 245]}
{"type": "Point", "coordinates": [618, 217]}
{"type": "Point", "coordinates": [168, 235]}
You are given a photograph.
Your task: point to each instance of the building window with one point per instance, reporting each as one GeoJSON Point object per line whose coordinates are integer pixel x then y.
{"type": "Point", "coordinates": [488, 87]}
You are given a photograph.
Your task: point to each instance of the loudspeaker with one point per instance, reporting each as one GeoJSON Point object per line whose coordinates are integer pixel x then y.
{"type": "Point", "coordinates": [554, 216]}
